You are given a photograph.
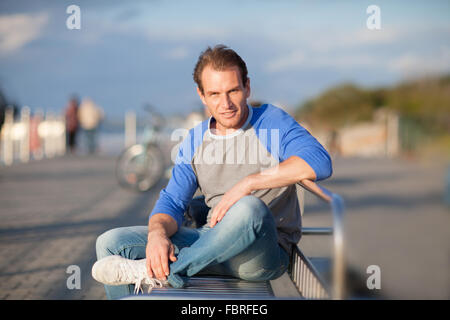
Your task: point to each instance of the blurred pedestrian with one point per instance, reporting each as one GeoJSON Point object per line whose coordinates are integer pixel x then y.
{"type": "Point", "coordinates": [90, 115]}
{"type": "Point", "coordinates": [3, 106]}
{"type": "Point", "coordinates": [35, 139]}
{"type": "Point", "coordinates": [72, 123]}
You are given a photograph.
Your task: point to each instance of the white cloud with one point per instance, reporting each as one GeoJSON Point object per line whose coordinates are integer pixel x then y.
{"type": "Point", "coordinates": [338, 49]}
{"type": "Point", "coordinates": [299, 59]}
{"type": "Point", "coordinates": [411, 65]}
{"type": "Point", "coordinates": [371, 37]}
{"type": "Point", "coordinates": [19, 29]}
{"type": "Point", "coordinates": [320, 41]}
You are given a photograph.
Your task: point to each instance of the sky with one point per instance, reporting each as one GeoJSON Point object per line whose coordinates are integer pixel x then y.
{"type": "Point", "coordinates": [130, 53]}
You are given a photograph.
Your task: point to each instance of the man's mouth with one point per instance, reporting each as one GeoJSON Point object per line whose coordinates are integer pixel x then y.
{"type": "Point", "coordinates": [229, 114]}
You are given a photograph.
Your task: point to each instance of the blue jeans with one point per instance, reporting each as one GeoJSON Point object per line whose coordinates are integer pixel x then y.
{"type": "Point", "coordinates": [243, 245]}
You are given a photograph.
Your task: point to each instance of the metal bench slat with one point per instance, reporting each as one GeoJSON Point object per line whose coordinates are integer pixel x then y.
{"type": "Point", "coordinates": [209, 287]}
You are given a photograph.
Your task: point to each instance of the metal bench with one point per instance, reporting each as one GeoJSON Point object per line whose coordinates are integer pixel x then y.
{"type": "Point", "coordinates": [306, 278]}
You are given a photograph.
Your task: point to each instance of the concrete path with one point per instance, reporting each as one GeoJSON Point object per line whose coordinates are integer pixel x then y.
{"type": "Point", "coordinates": [52, 211]}
{"type": "Point", "coordinates": [396, 219]}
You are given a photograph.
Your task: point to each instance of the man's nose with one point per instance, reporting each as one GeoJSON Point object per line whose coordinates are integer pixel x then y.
{"type": "Point", "coordinates": [225, 101]}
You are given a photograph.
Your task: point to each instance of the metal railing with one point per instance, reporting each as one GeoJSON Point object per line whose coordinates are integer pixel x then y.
{"type": "Point", "coordinates": [306, 278]}
{"type": "Point", "coordinates": [304, 275]}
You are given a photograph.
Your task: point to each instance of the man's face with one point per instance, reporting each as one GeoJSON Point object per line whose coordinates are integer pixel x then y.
{"type": "Point", "coordinates": [225, 96]}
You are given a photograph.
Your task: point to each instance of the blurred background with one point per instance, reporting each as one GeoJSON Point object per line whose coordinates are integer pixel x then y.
{"type": "Point", "coordinates": [73, 97]}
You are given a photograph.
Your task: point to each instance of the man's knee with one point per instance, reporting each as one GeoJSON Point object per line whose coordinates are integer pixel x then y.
{"type": "Point", "coordinates": [129, 242]}
{"type": "Point", "coordinates": [250, 210]}
{"type": "Point", "coordinates": [105, 243]}
{"type": "Point", "coordinates": [113, 241]}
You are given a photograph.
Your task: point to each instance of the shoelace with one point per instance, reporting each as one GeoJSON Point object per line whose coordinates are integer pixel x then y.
{"type": "Point", "coordinates": [138, 275]}
{"type": "Point", "coordinates": [152, 283]}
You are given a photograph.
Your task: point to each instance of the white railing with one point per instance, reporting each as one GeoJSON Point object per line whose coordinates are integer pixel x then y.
{"type": "Point", "coordinates": [31, 137]}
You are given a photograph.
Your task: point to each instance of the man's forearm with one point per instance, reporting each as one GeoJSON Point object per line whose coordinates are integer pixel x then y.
{"type": "Point", "coordinates": [288, 172]}
{"type": "Point", "coordinates": [162, 224]}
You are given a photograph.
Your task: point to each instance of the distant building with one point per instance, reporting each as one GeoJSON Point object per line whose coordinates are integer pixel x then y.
{"type": "Point", "coordinates": [379, 138]}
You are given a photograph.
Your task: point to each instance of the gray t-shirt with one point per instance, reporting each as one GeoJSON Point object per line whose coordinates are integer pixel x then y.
{"type": "Point", "coordinates": [215, 163]}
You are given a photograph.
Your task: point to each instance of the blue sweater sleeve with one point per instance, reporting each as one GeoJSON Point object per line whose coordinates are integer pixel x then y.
{"type": "Point", "coordinates": [295, 140]}
{"type": "Point", "coordinates": [175, 198]}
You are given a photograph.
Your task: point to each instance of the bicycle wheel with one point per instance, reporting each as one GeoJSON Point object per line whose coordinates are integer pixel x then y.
{"type": "Point", "coordinates": [140, 167]}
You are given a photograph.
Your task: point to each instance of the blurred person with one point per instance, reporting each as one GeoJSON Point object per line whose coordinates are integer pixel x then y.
{"type": "Point", "coordinates": [252, 211]}
{"type": "Point", "coordinates": [35, 139]}
{"type": "Point", "coordinates": [72, 125]}
{"type": "Point", "coordinates": [90, 115]}
{"type": "Point", "coordinates": [3, 106]}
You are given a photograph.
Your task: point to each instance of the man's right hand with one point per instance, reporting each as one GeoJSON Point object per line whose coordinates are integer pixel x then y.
{"type": "Point", "coordinates": [158, 252]}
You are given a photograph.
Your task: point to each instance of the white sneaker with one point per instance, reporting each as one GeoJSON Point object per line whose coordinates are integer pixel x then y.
{"type": "Point", "coordinates": [117, 270]}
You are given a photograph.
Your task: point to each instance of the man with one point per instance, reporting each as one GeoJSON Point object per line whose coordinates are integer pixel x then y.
{"type": "Point", "coordinates": [90, 115]}
{"type": "Point", "coordinates": [72, 124]}
{"type": "Point", "coordinates": [246, 162]}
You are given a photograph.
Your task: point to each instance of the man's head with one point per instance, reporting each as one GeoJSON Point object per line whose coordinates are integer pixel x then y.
{"type": "Point", "coordinates": [223, 86]}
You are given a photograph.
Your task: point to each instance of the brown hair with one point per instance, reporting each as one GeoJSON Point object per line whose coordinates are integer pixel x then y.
{"type": "Point", "coordinates": [219, 58]}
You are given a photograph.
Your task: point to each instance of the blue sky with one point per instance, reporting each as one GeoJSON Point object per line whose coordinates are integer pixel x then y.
{"type": "Point", "coordinates": [128, 53]}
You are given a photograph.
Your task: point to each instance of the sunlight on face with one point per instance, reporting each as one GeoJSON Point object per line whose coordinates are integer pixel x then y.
{"type": "Point", "coordinates": [225, 96]}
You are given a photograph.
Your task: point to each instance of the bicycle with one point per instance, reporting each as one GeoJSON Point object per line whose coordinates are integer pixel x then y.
{"type": "Point", "coordinates": [141, 166]}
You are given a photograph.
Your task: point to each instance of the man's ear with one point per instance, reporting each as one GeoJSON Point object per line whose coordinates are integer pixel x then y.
{"type": "Point", "coordinates": [247, 88]}
{"type": "Point", "coordinates": [202, 97]}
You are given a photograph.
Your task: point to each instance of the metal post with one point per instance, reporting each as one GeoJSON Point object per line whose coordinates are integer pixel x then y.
{"type": "Point", "coordinates": [337, 207]}
{"type": "Point", "coordinates": [60, 128]}
{"type": "Point", "coordinates": [8, 146]}
{"type": "Point", "coordinates": [39, 118]}
{"type": "Point", "coordinates": [48, 139]}
{"type": "Point", "coordinates": [25, 138]}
